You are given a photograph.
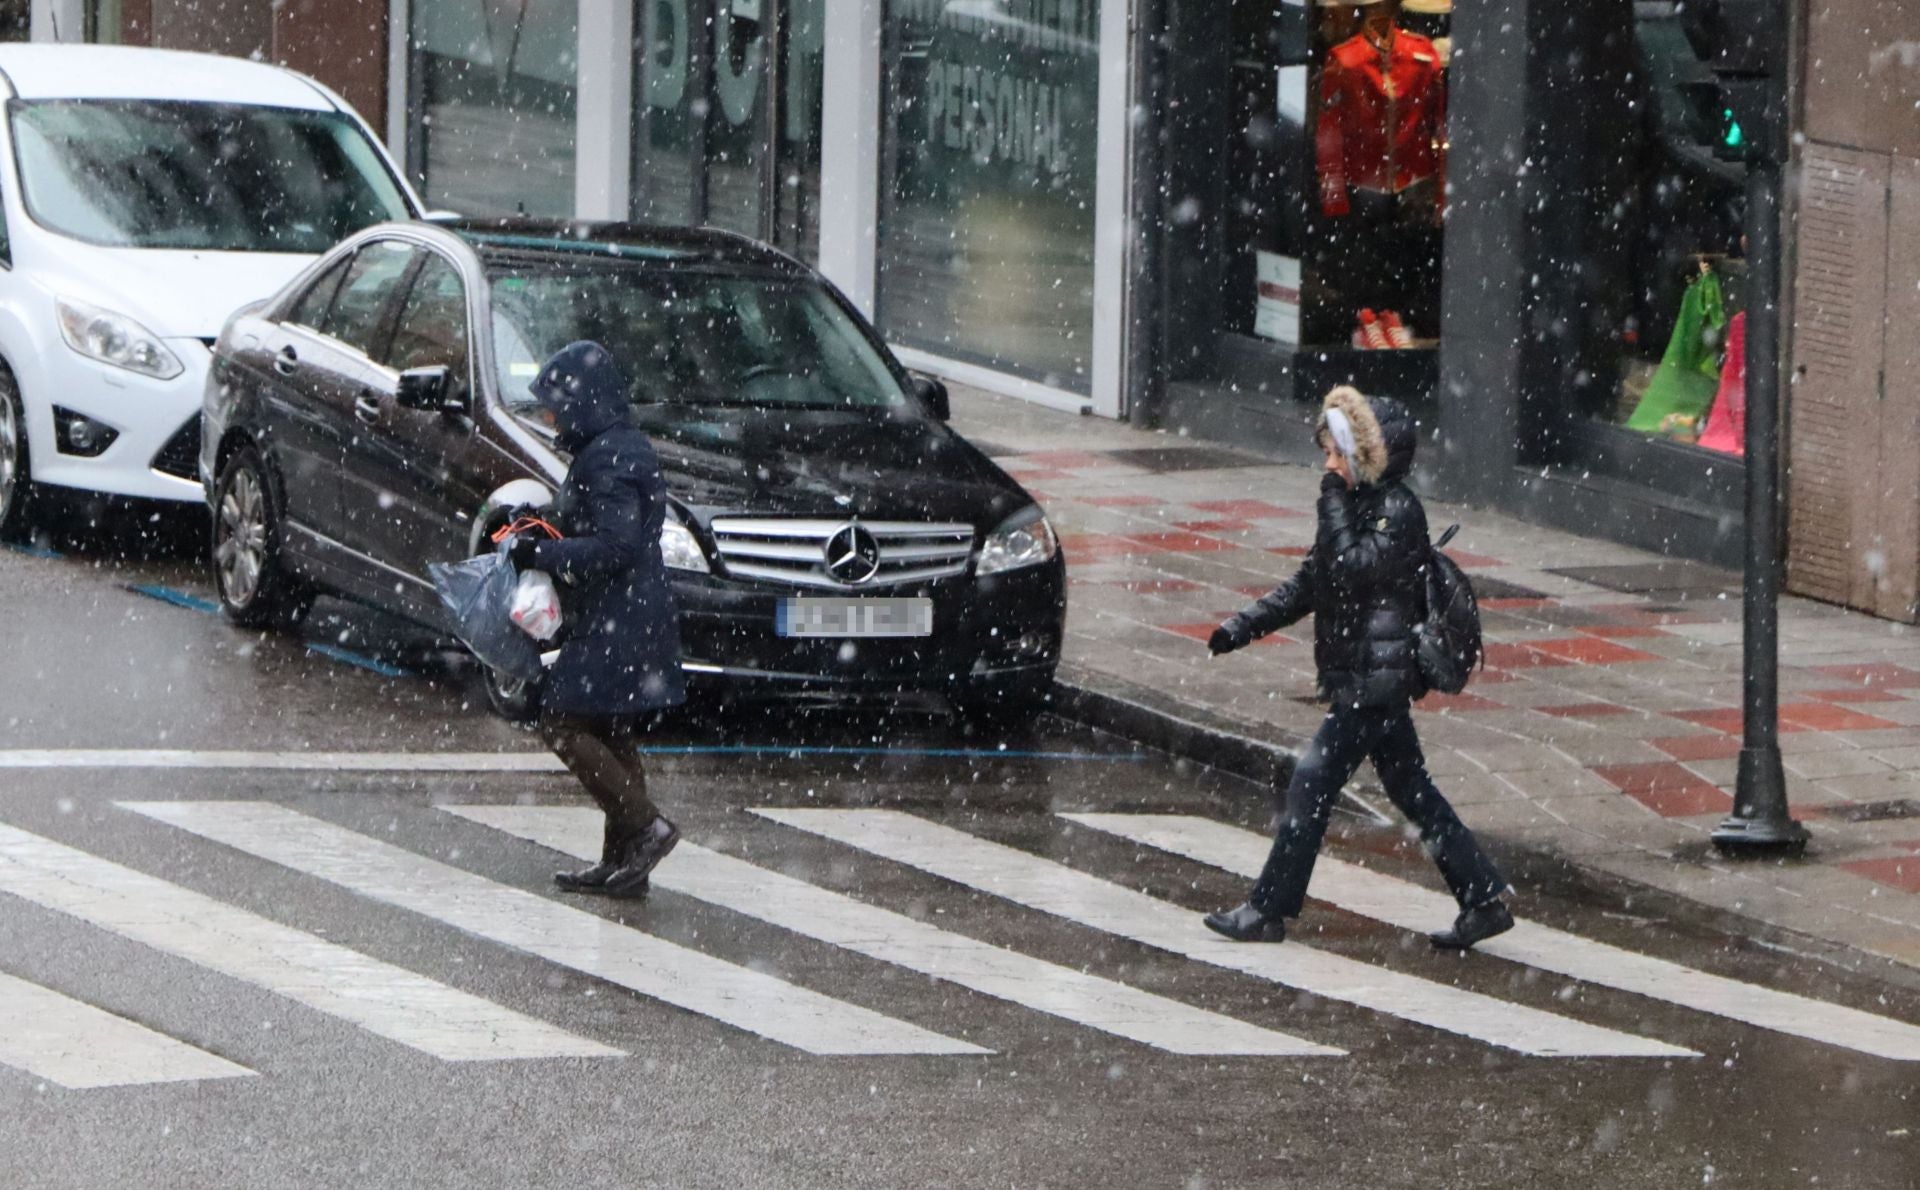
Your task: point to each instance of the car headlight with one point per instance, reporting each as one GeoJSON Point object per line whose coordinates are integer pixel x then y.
{"type": "Point", "coordinates": [1023, 539]}
{"type": "Point", "coordinates": [115, 339]}
{"type": "Point", "coordinates": [678, 548]}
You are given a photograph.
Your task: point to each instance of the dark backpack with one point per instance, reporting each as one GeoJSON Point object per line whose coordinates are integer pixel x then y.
{"type": "Point", "coordinates": [1447, 641]}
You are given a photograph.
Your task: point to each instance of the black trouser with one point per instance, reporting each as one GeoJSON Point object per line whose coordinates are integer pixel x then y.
{"type": "Point", "coordinates": [1385, 735]}
{"type": "Point", "coordinates": [602, 752]}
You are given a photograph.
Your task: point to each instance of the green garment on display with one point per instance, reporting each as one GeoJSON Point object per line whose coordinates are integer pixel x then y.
{"type": "Point", "coordinates": [1684, 384]}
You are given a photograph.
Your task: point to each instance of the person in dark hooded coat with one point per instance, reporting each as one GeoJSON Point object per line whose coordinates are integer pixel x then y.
{"type": "Point", "coordinates": [1364, 584]}
{"type": "Point", "coordinates": [620, 657]}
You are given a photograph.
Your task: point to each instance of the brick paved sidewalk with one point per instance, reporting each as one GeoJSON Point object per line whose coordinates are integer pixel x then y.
{"type": "Point", "coordinates": [1606, 724]}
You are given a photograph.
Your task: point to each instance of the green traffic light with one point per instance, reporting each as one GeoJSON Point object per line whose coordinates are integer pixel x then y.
{"type": "Point", "coordinates": [1732, 136]}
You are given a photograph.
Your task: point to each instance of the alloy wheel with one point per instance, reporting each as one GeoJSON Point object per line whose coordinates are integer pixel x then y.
{"type": "Point", "coordinates": [9, 455]}
{"type": "Point", "coordinates": [240, 550]}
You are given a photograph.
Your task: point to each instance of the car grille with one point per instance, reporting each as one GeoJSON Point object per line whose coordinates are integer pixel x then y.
{"type": "Point", "coordinates": [795, 551]}
{"type": "Point", "coordinates": [180, 457]}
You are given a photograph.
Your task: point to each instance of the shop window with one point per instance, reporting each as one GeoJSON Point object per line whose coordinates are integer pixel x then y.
{"type": "Point", "coordinates": [1680, 342]}
{"type": "Point", "coordinates": [986, 244]}
{"type": "Point", "coordinates": [496, 82]}
{"type": "Point", "coordinates": [711, 78]}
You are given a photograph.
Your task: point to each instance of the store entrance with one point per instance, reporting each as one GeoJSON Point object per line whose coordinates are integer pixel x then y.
{"type": "Point", "coordinates": [727, 117]}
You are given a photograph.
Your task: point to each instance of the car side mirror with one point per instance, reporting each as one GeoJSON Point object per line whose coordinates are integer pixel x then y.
{"type": "Point", "coordinates": [933, 395]}
{"type": "Point", "coordinates": [428, 390]}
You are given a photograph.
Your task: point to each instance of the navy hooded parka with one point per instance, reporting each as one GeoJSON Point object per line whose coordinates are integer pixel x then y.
{"type": "Point", "coordinates": [621, 654]}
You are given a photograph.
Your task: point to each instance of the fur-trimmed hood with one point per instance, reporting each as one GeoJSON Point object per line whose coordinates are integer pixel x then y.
{"type": "Point", "coordinates": [1383, 434]}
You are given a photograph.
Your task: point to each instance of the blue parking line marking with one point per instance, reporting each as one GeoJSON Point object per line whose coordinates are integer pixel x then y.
{"type": "Point", "coordinates": [837, 750]}
{"type": "Point", "coordinates": [31, 551]}
{"type": "Point", "coordinates": [192, 603]}
{"type": "Point", "coordinates": [348, 657]}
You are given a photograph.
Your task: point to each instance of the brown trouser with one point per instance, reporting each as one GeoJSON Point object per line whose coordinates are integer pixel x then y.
{"type": "Point", "coordinates": [602, 752]}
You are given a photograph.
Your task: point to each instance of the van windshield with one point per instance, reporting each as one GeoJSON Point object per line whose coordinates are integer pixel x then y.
{"type": "Point", "coordinates": [684, 336]}
{"type": "Point", "coordinates": [208, 176]}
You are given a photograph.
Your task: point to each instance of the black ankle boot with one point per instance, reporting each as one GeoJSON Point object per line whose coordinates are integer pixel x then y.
{"type": "Point", "coordinates": [630, 879]}
{"type": "Point", "coordinates": [1247, 924]}
{"type": "Point", "coordinates": [1475, 925]}
{"type": "Point", "coordinates": [586, 879]}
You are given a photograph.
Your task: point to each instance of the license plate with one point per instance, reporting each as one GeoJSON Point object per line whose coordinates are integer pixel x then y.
{"type": "Point", "coordinates": [854, 617]}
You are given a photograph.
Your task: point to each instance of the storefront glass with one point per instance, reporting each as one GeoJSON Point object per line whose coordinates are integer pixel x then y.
{"type": "Point", "coordinates": [496, 83]}
{"type": "Point", "coordinates": [986, 239]}
{"type": "Point", "coordinates": [704, 104]}
{"type": "Point", "coordinates": [1680, 338]}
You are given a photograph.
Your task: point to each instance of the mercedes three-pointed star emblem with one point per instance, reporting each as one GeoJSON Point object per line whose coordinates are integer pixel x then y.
{"type": "Point", "coordinates": [852, 555]}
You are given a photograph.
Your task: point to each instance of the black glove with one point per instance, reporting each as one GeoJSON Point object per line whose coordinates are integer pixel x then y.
{"type": "Point", "coordinates": [1224, 640]}
{"type": "Point", "coordinates": [523, 549]}
{"type": "Point", "coordinates": [1332, 482]}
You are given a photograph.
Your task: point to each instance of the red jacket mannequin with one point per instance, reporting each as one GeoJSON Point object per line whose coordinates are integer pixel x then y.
{"type": "Point", "coordinates": [1382, 119]}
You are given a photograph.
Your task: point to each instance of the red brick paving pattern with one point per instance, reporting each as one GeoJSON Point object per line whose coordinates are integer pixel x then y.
{"type": "Point", "coordinates": [1248, 509]}
{"type": "Point", "coordinates": [1667, 788]}
{"type": "Point", "coordinates": [1897, 871]}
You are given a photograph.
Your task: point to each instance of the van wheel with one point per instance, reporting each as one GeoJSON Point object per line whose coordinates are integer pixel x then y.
{"type": "Point", "coordinates": [16, 475]}
{"type": "Point", "coordinates": [514, 699]}
{"type": "Point", "coordinates": [256, 589]}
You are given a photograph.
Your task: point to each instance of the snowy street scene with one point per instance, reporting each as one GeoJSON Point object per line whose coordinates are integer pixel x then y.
{"type": "Point", "coordinates": [959, 593]}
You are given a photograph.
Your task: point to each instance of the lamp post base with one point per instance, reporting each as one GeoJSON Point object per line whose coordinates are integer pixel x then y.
{"type": "Point", "coordinates": [1760, 836]}
{"type": "Point", "coordinates": [1759, 824]}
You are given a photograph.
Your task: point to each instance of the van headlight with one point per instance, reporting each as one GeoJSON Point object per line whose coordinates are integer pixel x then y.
{"type": "Point", "coordinates": [1023, 539]}
{"type": "Point", "coordinates": [115, 339]}
{"type": "Point", "coordinates": [679, 549]}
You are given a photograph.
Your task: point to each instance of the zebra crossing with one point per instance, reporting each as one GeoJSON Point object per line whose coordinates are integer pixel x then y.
{"type": "Point", "coordinates": [55, 1034]}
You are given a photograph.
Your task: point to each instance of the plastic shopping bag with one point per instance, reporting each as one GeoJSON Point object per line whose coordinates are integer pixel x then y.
{"type": "Point", "coordinates": [479, 592]}
{"type": "Point", "coordinates": [536, 605]}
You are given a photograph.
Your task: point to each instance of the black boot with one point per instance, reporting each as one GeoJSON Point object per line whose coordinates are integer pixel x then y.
{"type": "Point", "coordinates": [586, 880]}
{"type": "Point", "coordinates": [615, 842]}
{"type": "Point", "coordinates": [1247, 924]}
{"type": "Point", "coordinates": [631, 878]}
{"type": "Point", "coordinates": [1474, 925]}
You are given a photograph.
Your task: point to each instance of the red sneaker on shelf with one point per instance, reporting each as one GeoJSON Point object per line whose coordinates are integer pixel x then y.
{"type": "Point", "coordinates": [1397, 333]}
{"type": "Point", "coordinates": [1373, 333]}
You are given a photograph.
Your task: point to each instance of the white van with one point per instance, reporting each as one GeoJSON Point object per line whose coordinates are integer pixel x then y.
{"type": "Point", "coordinates": [145, 195]}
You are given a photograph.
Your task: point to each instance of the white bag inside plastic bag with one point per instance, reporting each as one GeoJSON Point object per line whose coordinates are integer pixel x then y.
{"type": "Point", "coordinates": [536, 605]}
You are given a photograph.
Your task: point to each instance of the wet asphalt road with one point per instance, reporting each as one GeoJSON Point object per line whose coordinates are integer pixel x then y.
{"type": "Point", "coordinates": [91, 663]}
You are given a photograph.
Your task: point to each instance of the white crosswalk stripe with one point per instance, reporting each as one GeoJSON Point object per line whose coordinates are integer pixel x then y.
{"type": "Point", "coordinates": [394, 1003]}
{"type": "Point", "coordinates": [585, 942]}
{"type": "Point", "coordinates": [1063, 892]}
{"type": "Point", "coordinates": [82, 1047]}
{"type": "Point", "coordinates": [1400, 903]}
{"type": "Point", "coordinates": [891, 937]}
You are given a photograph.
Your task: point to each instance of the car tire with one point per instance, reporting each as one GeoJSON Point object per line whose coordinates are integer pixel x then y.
{"type": "Point", "coordinates": [256, 589]}
{"type": "Point", "coordinates": [16, 472]}
{"type": "Point", "coordinates": [516, 701]}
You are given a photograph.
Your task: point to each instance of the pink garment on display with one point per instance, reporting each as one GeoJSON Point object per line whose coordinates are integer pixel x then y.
{"type": "Point", "coordinates": [1727, 423]}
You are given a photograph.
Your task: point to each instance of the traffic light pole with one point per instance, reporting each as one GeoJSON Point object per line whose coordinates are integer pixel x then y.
{"type": "Point", "coordinates": [1760, 824]}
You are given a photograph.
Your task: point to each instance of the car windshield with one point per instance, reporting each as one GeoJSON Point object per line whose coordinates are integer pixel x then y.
{"type": "Point", "coordinates": [207, 176]}
{"type": "Point", "coordinates": [687, 337]}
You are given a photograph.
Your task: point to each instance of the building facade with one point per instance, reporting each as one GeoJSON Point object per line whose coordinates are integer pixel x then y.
{"type": "Point", "coordinates": [1177, 211]}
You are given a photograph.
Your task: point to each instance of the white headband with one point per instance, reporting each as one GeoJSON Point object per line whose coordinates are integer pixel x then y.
{"type": "Point", "coordinates": [1341, 431]}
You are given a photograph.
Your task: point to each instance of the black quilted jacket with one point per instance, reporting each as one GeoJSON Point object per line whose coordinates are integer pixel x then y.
{"type": "Point", "coordinates": [1363, 582]}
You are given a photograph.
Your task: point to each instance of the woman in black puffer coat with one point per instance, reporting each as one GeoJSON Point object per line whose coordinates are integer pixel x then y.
{"type": "Point", "coordinates": [1364, 584]}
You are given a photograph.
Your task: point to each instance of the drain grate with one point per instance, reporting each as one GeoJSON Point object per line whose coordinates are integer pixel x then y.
{"type": "Point", "coordinates": [1886, 811]}
{"type": "Point", "coordinates": [1184, 458]}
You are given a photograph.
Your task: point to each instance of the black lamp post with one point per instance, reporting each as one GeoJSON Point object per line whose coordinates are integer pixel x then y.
{"type": "Point", "coordinates": [1743, 40]}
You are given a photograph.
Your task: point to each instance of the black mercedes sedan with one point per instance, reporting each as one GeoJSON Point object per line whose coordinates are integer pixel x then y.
{"type": "Point", "coordinates": [829, 537]}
